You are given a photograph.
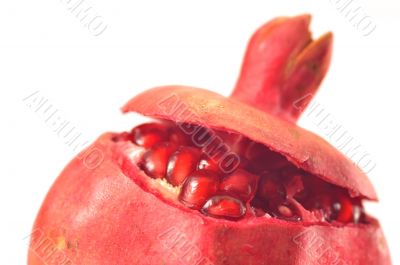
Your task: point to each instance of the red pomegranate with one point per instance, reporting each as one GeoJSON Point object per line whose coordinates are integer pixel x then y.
{"type": "Point", "coordinates": [217, 180]}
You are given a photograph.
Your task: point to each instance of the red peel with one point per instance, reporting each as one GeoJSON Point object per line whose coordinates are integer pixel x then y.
{"type": "Point", "coordinates": [113, 213]}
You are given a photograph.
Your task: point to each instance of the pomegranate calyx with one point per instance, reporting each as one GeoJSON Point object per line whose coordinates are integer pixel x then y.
{"type": "Point", "coordinates": [283, 67]}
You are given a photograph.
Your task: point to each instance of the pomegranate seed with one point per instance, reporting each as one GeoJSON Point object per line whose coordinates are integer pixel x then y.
{"type": "Point", "coordinates": [208, 163]}
{"type": "Point", "coordinates": [343, 209]}
{"type": "Point", "coordinates": [226, 164]}
{"type": "Point", "coordinates": [181, 164]}
{"type": "Point", "coordinates": [217, 147]}
{"type": "Point", "coordinates": [358, 213]}
{"type": "Point", "coordinates": [240, 183]}
{"type": "Point", "coordinates": [285, 211]}
{"type": "Point", "coordinates": [149, 134]}
{"type": "Point", "coordinates": [270, 188]}
{"type": "Point", "coordinates": [155, 160]}
{"type": "Point", "coordinates": [258, 212]}
{"type": "Point", "coordinates": [198, 187]}
{"type": "Point", "coordinates": [202, 137]}
{"type": "Point", "coordinates": [176, 135]}
{"type": "Point", "coordinates": [225, 207]}
{"type": "Point", "coordinates": [230, 162]}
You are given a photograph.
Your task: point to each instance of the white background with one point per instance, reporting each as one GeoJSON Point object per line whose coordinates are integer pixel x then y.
{"type": "Point", "coordinates": [45, 48]}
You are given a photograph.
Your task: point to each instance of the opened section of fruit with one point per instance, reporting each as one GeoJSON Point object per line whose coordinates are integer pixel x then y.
{"type": "Point", "coordinates": [226, 175]}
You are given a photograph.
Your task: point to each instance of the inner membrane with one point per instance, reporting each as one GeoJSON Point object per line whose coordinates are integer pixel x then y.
{"type": "Point", "coordinates": [226, 175]}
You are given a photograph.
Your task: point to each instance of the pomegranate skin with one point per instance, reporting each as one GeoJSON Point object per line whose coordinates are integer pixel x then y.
{"type": "Point", "coordinates": [100, 224]}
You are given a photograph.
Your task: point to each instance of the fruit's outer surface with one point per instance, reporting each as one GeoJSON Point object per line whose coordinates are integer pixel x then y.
{"type": "Point", "coordinates": [103, 209]}
{"type": "Point", "coordinates": [102, 223]}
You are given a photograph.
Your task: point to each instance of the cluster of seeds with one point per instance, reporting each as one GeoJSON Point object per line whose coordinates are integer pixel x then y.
{"type": "Point", "coordinates": [226, 175]}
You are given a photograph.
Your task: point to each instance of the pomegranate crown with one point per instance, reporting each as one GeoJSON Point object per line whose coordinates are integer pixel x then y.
{"type": "Point", "coordinates": [283, 67]}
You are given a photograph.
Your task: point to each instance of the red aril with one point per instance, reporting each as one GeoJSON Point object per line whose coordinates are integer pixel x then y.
{"type": "Point", "coordinates": [149, 134]}
{"type": "Point", "coordinates": [198, 187]}
{"type": "Point", "coordinates": [240, 183]}
{"type": "Point", "coordinates": [209, 163]}
{"type": "Point", "coordinates": [285, 211]}
{"type": "Point", "coordinates": [224, 207]}
{"type": "Point", "coordinates": [176, 135]}
{"type": "Point", "coordinates": [343, 209]}
{"type": "Point", "coordinates": [181, 163]}
{"type": "Point", "coordinates": [155, 160]}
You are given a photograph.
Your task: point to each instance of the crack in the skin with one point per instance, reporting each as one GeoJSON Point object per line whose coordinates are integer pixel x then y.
{"type": "Point", "coordinates": [135, 153]}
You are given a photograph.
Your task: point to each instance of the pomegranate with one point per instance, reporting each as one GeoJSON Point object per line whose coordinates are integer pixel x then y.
{"type": "Point", "coordinates": [217, 180]}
